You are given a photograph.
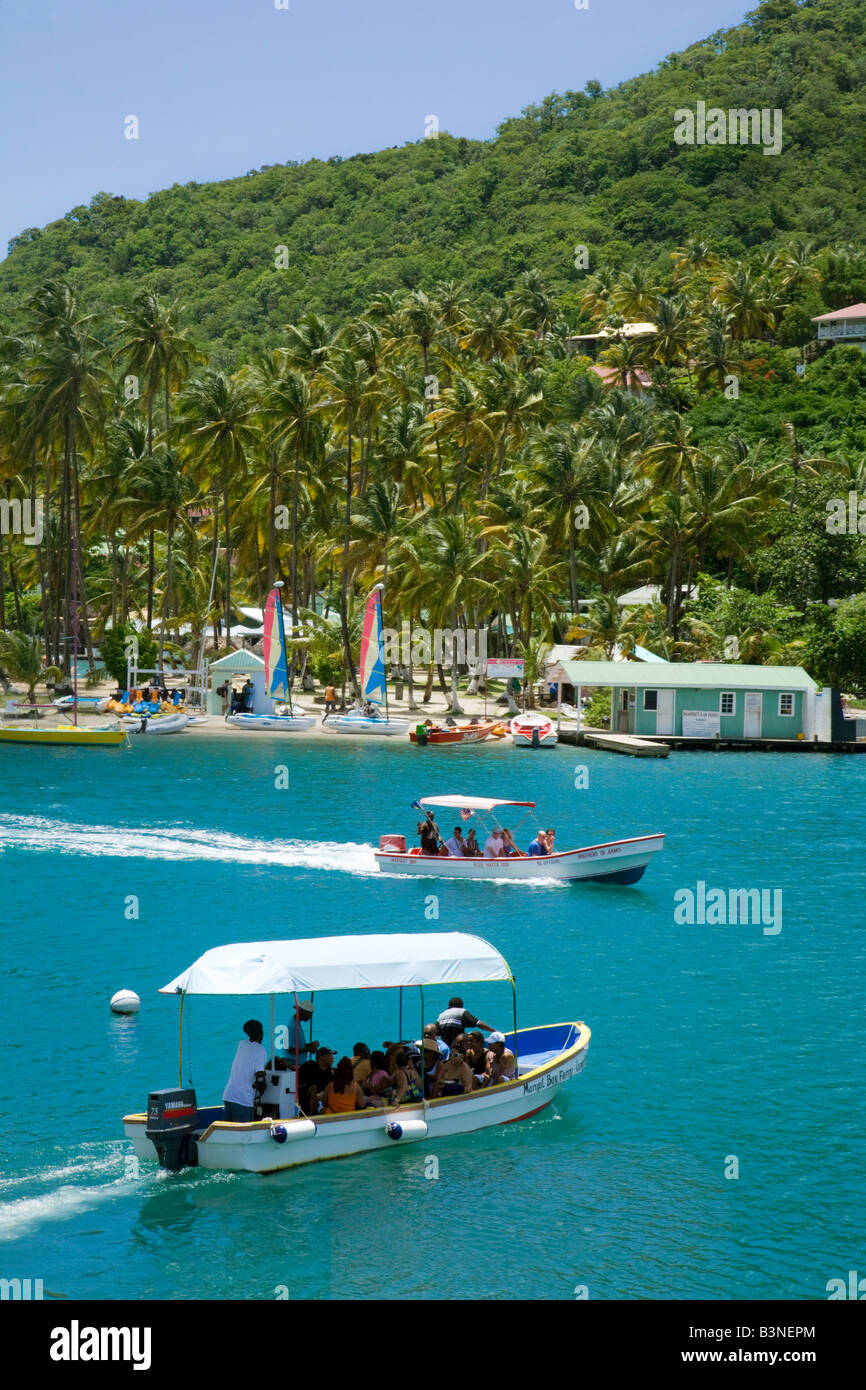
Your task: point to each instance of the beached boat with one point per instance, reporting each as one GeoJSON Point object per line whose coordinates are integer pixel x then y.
{"type": "Point", "coordinates": [155, 723]}
{"type": "Point", "coordinates": [614, 861]}
{"type": "Point", "coordinates": [179, 1133]}
{"type": "Point", "coordinates": [277, 683]}
{"type": "Point", "coordinates": [451, 733]}
{"type": "Point", "coordinates": [374, 686]}
{"type": "Point", "coordinates": [93, 703]}
{"type": "Point", "coordinates": [533, 730]}
{"type": "Point", "coordinates": [64, 735]}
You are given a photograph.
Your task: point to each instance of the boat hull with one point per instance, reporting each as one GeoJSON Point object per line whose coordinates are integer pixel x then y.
{"type": "Point", "coordinates": [551, 1057]}
{"type": "Point", "coordinates": [345, 724]}
{"type": "Point", "coordinates": [72, 737]}
{"type": "Point", "coordinates": [618, 861]}
{"type": "Point", "coordinates": [271, 723]}
{"type": "Point", "coordinates": [156, 723]}
{"type": "Point", "coordinates": [468, 733]}
{"type": "Point", "coordinates": [533, 731]}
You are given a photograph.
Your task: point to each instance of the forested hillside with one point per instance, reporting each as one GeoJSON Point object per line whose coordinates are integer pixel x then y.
{"type": "Point", "coordinates": [595, 167]}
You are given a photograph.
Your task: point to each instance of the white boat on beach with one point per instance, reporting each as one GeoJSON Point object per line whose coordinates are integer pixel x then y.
{"type": "Point", "coordinates": [374, 687]}
{"type": "Point", "coordinates": [533, 730]}
{"type": "Point", "coordinates": [178, 1133]}
{"type": "Point", "coordinates": [614, 861]}
{"type": "Point", "coordinates": [155, 723]}
{"type": "Point", "coordinates": [283, 719]}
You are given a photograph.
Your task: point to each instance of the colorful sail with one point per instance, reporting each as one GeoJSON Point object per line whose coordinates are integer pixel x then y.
{"type": "Point", "coordinates": [372, 660]}
{"type": "Point", "coordinates": [276, 666]}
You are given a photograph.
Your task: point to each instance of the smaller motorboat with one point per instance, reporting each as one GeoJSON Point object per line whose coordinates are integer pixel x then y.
{"type": "Point", "coordinates": [449, 732]}
{"type": "Point", "coordinates": [155, 723]}
{"type": "Point", "coordinates": [533, 730]}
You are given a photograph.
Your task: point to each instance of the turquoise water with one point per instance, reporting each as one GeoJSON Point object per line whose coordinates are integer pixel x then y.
{"type": "Point", "coordinates": [708, 1041]}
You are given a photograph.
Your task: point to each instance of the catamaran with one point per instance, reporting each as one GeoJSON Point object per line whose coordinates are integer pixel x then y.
{"type": "Point", "coordinates": [614, 861]}
{"type": "Point", "coordinates": [179, 1133]}
{"type": "Point", "coordinates": [374, 686]}
{"type": "Point", "coordinates": [277, 683]}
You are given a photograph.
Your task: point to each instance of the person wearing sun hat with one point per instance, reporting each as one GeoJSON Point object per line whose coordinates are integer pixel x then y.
{"type": "Point", "coordinates": [292, 1036]}
{"type": "Point", "coordinates": [500, 1058]}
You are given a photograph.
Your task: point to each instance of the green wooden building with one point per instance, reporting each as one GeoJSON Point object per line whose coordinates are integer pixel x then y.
{"type": "Point", "coordinates": [698, 699]}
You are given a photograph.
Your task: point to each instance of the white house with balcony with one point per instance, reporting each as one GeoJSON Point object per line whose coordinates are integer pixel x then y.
{"type": "Point", "coordinates": [844, 326]}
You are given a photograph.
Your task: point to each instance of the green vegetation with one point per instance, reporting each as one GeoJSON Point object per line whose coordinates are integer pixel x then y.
{"type": "Point", "coordinates": [597, 168]}
{"type": "Point", "coordinates": [450, 441]}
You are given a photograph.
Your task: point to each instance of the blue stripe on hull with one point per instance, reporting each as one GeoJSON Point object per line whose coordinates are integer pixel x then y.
{"type": "Point", "coordinates": [624, 876]}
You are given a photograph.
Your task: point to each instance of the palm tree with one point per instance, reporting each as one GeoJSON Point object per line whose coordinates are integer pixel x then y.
{"type": "Point", "coordinates": [21, 656]}
{"type": "Point", "coordinates": [219, 424]}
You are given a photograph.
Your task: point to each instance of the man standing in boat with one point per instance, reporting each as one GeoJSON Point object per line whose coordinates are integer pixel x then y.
{"type": "Point", "coordinates": [456, 1020]}
{"type": "Point", "coordinates": [239, 1095]}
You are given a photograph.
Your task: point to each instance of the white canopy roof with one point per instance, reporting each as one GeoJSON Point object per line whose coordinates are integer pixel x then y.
{"type": "Point", "coordinates": [342, 962]}
{"type": "Point", "coordinates": [470, 803]}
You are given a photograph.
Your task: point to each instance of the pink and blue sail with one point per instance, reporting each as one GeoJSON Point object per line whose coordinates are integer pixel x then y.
{"type": "Point", "coordinates": [373, 686]}
{"type": "Point", "coordinates": [276, 665]}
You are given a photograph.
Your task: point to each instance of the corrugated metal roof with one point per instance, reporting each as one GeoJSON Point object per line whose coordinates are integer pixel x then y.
{"type": "Point", "coordinates": [709, 675]}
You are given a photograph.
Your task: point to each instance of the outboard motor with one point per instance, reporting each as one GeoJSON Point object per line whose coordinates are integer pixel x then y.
{"type": "Point", "coordinates": [535, 738]}
{"type": "Point", "coordinates": [170, 1123]}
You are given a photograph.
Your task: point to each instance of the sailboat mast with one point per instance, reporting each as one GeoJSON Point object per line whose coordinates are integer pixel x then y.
{"type": "Point", "coordinates": [74, 624]}
{"type": "Point", "coordinates": [384, 669]}
{"type": "Point", "coordinates": [281, 633]}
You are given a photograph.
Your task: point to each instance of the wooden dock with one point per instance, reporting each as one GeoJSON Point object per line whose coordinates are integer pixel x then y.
{"type": "Point", "coordinates": [629, 744]}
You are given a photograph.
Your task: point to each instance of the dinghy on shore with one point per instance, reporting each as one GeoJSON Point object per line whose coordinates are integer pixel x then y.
{"type": "Point", "coordinates": [374, 686]}
{"type": "Point", "coordinates": [177, 1132]}
{"type": "Point", "coordinates": [533, 730]}
{"type": "Point", "coordinates": [277, 684]}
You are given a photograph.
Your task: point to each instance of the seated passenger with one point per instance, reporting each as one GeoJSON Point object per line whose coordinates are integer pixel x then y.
{"type": "Point", "coordinates": [454, 1077]}
{"type": "Point", "coordinates": [501, 1060]}
{"type": "Point", "coordinates": [431, 1034]}
{"type": "Point", "coordinates": [539, 845]}
{"type": "Point", "coordinates": [476, 1059]}
{"type": "Point", "coordinates": [549, 838]}
{"type": "Point", "coordinates": [361, 1061]}
{"type": "Point", "coordinates": [378, 1085]}
{"type": "Point", "coordinates": [344, 1093]}
{"type": "Point", "coordinates": [314, 1077]}
{"type": "Point", "coordinates": [432, 1063]}
{"type": "Point", "coordinates": [407, 1082]}
{"type": "Point", "coordinates": [494, 845]}
{"type": "Point", "coordinates": [509, 845]}
{"type": "Point", "coordinates": [454, 845]}
{"type": "Point", "coordinates": [471, 847]}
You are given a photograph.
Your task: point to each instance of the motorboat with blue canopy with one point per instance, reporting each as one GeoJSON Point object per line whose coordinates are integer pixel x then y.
{"type": "Point", "coordinates": [178, 1132]}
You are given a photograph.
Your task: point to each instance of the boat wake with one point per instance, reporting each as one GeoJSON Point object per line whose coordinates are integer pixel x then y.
{"type": "Point", "coordinates": [180, 844]}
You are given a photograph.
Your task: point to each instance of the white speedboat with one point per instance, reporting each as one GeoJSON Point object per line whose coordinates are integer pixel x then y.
{"type": "Point", "coordinates": [533, 730]}
{"type": "Point", "coordinates": [155, 723]}
{"type": "Point", "coordinates": [614, 861]}
{"type": "Point", "coordinates": [178, 1132]}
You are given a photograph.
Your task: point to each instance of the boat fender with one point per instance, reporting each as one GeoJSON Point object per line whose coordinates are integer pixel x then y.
{"type": "Point", "coordinates": [406, 1129]}
{"type": "Point", "coordinates": [535, 742]}
{"type": "Point", "coordinates": [298, 1129]}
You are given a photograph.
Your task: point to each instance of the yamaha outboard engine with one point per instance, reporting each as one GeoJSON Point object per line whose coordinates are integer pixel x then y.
{"type": "Point", "coordinates": [536, 743]}
{"type": "Point", "coordinates": [170, 1123]}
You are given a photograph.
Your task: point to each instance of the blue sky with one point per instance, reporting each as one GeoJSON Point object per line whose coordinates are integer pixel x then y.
{"type": "Point", "coordinates": [223, 86]}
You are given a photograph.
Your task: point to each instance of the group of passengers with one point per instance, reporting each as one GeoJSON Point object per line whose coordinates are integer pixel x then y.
{"type": "Point", "coordinates": [149, 700]}
{"type": "Point", "coordinates": [498, 845]}
{"type": "Point", "coordinates": [451, 1058]}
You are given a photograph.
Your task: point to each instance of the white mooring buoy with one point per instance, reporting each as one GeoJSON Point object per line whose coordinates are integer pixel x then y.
{"type": "Point", "coordinates": [125, 1001]}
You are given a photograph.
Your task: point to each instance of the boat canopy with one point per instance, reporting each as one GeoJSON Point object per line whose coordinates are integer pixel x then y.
{"type": "Point", "coordinates": [342, 962]}
{"type": "Point", "coordinates": [470, 803]}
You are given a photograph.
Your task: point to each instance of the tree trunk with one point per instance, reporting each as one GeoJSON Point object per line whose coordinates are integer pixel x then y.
{"type": "Point", "coordinates": [344, 582]}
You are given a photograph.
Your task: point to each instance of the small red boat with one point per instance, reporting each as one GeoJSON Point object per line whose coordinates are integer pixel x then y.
{"type": "Point", "coordinates": [452, 733]}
